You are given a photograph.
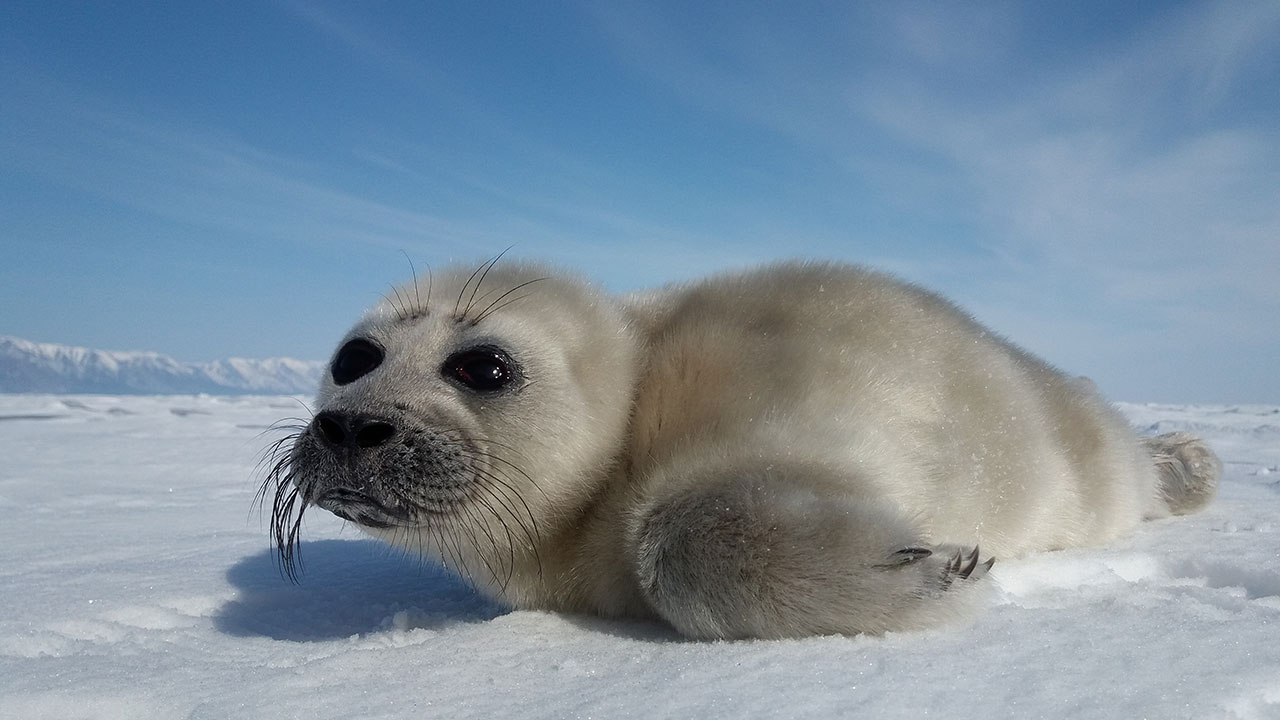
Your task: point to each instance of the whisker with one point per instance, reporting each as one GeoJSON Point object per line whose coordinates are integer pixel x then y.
{"type": "Point", "coordinates": [487, 294]}
{"type": "Point", "coordinates": [417, 299]}
{"type": "Point", "coordinates": [287, 532]}
{"type": "Point", "coordinates": [531, 532]}
{"type": "Point", "coordinates": [506, 528]}
{"type": "Point", "coordinates": [507, 463]}
{"type": "Point", "coordinates": [305, 406]}
{"type": "Point", "coordinates": [492, 476]}
{"type": "Point", "coordinates": [457, 305]}
{"type": "Point", "coordinates": [277, 455]}
{"type": "Point", "coordinates": [400, 305]}
{"type": "Point", "coordinates": [287, 504]}
{"type": "Point", "coordinates": [494, 306]}
{"type": "Point", "coordinates": [486, 268]}
{"type": "Point", "coordinates": [489, 558]}
{"type": "Point", "coordinates": [431, 280]}
{"type": "Point", "coordinates": [418, 308]}
{"type": "Point", "coordinates": [502, 498]}
{"type": "Point", "coordinates": [455, 550]}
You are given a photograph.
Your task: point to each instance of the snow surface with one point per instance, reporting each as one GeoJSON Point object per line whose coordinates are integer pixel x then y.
{"type": "Point", "coordinates": [135, 582]}
{"type": "Point", "coordinates": [27, 366]}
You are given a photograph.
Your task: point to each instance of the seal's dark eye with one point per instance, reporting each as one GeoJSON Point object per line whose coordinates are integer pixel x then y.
{"type": "Point", "coordinates": [484, 369]}
{"type": "Point", "coordinates": [355, 360]}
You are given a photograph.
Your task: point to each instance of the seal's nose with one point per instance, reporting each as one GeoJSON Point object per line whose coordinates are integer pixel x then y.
{"type": "Point", "coordinates": [341, 430]}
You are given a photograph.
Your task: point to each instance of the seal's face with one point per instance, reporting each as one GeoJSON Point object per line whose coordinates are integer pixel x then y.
{"type": "Point", "coordinates": [393, 463]}
{"type": "Point", "coordinates": [463, 430]}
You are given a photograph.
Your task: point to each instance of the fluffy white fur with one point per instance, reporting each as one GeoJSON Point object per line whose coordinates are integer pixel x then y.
{"type": "Point", "coordinates": [794, 450]}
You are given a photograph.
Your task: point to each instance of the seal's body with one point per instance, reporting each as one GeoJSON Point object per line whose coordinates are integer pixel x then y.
{"type": "Point", "coordinates": [799, 449]}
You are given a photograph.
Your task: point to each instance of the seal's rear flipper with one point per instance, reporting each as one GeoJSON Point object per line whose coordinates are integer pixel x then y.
{"type": "Point", "coordinates": [1188, 470]}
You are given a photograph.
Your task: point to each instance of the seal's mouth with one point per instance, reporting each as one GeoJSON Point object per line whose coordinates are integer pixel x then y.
{"type": "Point", "coordinates": [360, 508]}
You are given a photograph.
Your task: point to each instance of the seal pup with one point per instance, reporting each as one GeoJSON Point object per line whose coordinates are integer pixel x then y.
{"type": "Point", "coordinates": [800, 449]}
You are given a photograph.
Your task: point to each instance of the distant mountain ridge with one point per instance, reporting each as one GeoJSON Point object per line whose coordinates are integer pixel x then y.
{"type": "Point", "coordinates": [32, 367]}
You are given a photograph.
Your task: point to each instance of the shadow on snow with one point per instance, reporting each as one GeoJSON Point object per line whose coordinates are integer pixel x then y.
{"type": "Point", "coordinates": [346, 588]}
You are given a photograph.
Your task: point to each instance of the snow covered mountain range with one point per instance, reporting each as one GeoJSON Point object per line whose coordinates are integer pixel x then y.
{"type": "Point", "coordinates": [31, 367]}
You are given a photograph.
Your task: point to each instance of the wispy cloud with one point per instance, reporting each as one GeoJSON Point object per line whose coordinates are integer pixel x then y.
{"type": "Point", "coordinates": [349, 30]}
{"type": "Point", "coordinates": [1082, 164]}
{"type": "Point", "coordinates": [1095, 178]}
{"type": "Point", "coordinates": [205, 179]}
{"type": "Point", "coordinates": [1126, 198]}
{"type": "Point", "coordinates": [201, 177]}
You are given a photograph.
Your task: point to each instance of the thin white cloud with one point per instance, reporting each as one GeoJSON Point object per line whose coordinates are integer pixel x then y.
{"type": "Point", "coordinates": [1213, 45]}
{"type": "Point", "coordinates": [1085, 168]}
{"type": "Point", "coordinates": [208, 180]}
{"type": "Point", "coordinates": [351, 31]}
{"type": "Point", "coordinates": [1117, 190]}
{"type": "Point", "coordinates": [1131, 209]}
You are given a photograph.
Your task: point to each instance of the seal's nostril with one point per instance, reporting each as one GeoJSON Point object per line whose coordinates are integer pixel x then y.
{"type": "Point", "coordinates": [340, 430]}
{"type": "Point", "coordinates": [330, 429]}
{"type": "Point", "coordinates": [374, 434]}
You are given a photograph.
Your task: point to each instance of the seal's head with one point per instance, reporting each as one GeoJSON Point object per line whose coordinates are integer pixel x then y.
{"type": "Point", "coordinates": [464, 418]}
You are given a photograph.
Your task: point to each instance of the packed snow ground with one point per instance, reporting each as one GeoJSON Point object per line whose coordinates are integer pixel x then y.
{"type": "Point", "coordinates": [135, 582]}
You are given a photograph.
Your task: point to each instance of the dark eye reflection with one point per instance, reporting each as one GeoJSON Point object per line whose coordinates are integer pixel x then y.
{"type": "Point", "coordinates": [484, 369]}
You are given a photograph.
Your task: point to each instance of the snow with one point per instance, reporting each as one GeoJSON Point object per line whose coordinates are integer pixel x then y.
{"type": "Point", "coordinates": [136, 582]}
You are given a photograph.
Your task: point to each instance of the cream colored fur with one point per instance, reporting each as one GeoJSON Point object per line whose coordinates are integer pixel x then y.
{"type": "Point", "coordinates": [794, 450]}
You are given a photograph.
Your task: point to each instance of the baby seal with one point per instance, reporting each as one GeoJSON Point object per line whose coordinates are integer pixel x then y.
{"type": "Point", "coordinates": [799, 449]}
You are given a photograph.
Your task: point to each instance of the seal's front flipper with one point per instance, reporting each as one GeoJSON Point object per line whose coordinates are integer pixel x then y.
{"type": "Point", "coordinates": [779, 552]}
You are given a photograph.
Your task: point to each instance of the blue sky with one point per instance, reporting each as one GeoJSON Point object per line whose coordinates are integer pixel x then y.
{"type": "Point", "coordinates": [1098, 181]}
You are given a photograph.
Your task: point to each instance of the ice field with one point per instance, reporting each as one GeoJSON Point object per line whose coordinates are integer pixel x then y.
{"type": "Point", "coordinates": [136, 582]}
